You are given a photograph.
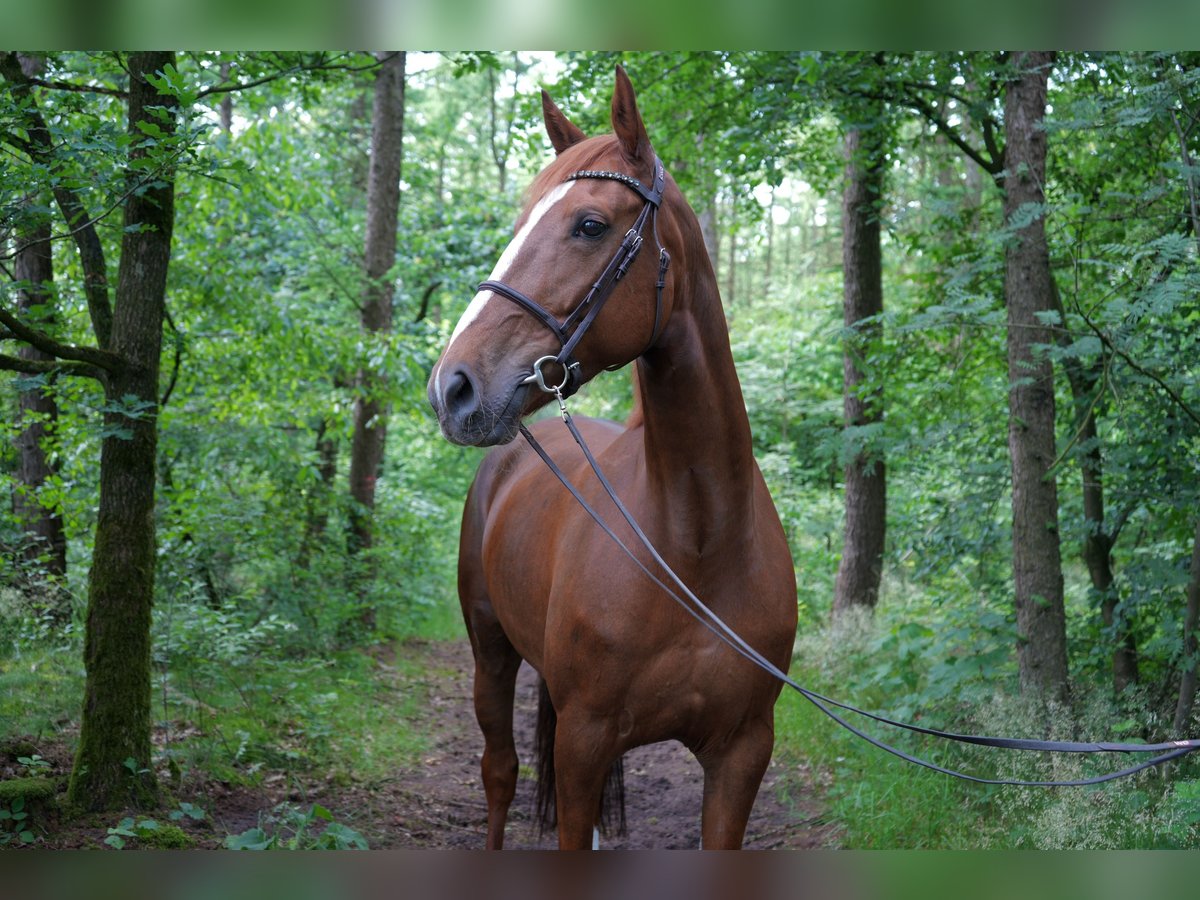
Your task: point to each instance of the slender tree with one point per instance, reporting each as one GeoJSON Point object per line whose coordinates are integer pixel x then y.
{"type": "Point", "coordinates": [1017, 164]}
{"type": "Point", "coordinates": [1100, 530]}
{"type": "Point", "coordinates": [383, 200]}
{"type": "Point", "coordinates": [46, 541]}
{"type": "Point", "coordinates": [861, 565]}
{"type": "Point", "coordinates": [1029, 295]}
{"type": "Point", "coordinates": [116, 716]}
{"type": "Point", "coordinates": [1191, 648]}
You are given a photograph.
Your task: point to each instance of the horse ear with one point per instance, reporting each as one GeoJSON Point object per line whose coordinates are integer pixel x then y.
{"type": "Point", "coordinates": [562, 132]}
{"type": "Point", "coordinates": [627, 122]}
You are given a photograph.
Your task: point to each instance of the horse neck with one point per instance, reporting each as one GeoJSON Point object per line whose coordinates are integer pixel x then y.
{"type": "Point", "coordinates": [697, 435]}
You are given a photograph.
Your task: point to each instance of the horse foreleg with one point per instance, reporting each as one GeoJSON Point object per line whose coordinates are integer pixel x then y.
{"type": "Point", "coordinates": [732, 775]}
{"type": "Point", "coordinates": [495, 682]}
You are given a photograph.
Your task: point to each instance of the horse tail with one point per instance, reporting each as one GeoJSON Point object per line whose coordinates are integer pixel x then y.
{"type": "Point", "coordinates": [543, 747]}
{"type": "Point", "coordinates": [612, 799]}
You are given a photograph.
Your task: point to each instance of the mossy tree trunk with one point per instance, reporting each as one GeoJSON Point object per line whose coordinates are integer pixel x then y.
{"type": "Point", "coordinates": [112, 765]}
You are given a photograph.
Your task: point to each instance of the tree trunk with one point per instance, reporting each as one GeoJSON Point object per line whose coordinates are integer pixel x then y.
{"type": "Point", "coordinates": [731, 295]}
{"type": "Point", "coordinates": [225, 107]}
{"type": "Point", "coordinates": [1099, 534]}
{"type": "Point", "coordinates": [1191, 652]}
{"type": "Point", "coordinates": [316, 510]}
{"type": "Point", "coordinates": [1097, 554]}
{"type": "Point", "coordinates": [113, 766]}
{"type": "Point", "coordinates": [46, 542]}
{"type": "Point", "coordinates": [770, 246]}
{"type": "Point", "coordinates": [383, 202]}
{"type": "Point", "coordinates": [1028, 291]}
{"type": "Point", "coordinates": [861, 566]}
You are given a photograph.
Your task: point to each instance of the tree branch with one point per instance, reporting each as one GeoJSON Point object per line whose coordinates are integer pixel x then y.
{"type": "Point", "coordinates": [1141, 370]}
{"type": "Point", "coordinates": [178, 346]}
{"type": "Point", "coordinates": [992, 164]}
{"type": "Point", "coordinates": [91, 251]}
{"type": "Point", "coordinates": [233, 87]}
{"type": "Point", "coordinates": [94, 358]}
{"type": "Point", "coordinates": [79, 88]}
{"type": "Point", "coordinates": [49, 366]}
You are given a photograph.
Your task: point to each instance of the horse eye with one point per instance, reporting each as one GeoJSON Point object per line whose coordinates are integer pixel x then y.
{"type": "Point", "coordinates": [591, 228]}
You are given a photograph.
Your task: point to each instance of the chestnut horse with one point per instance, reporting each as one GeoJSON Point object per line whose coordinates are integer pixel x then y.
{"type": "Point", "coordinates": [622, 665]}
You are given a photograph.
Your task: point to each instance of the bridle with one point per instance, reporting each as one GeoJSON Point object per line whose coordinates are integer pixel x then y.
{"type": "Point", "coordinates": [570, 331]}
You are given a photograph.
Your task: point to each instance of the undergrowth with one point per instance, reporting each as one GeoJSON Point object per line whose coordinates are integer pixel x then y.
{"type": "Point", "coordinates": [897, 667]}
{"type": "Point", "coordinates": [236, 697]}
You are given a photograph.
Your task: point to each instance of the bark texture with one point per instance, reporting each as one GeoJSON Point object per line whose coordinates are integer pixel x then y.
{"type": "Point", "coordinates": [1029, 290]}
{"type": "Point", "coordinates": [861, 566]}
{"type": "Point", "coordinates": [46, 542]}
{"type": "Point", "coordinates": [1100, 534]}
{"type": "Point", "coordinates": [383, 202]}
{"type": "Point", "coordinates": [1191, 651]}
{"type": "Point", "coordinates": [316, 507]}
{"type": "Point", "coordinates": [113, 766]}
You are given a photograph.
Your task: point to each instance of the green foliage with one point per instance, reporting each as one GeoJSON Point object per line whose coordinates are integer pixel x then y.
{"type": "Point", "coordinates": [19, 798]}
{"type": "Point", "coordinates": [954, 681]}
{"type": "Point", "coordinates": [148, 834]}
{"type": "Point", "coordinates": [259, 663]}
{"type": "Point", "coordinates": [34, 764]}
{"type": "Point", "coordinates": [14, 822]}
{"type": "Point", "coordinates": [287, 827]}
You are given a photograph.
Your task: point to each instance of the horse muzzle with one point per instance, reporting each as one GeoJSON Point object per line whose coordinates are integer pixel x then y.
{"type": "Point", "coordinates": [472, 416]}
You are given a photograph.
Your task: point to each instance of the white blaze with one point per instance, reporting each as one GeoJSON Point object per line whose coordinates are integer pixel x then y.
{"type": "Point", "coordinates": [503, 264]}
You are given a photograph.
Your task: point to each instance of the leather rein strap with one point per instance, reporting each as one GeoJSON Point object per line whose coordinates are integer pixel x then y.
{"type": "Point", "coordinates": [1167, 750]}
{"type": "Point", "coordinates": [570, 331]}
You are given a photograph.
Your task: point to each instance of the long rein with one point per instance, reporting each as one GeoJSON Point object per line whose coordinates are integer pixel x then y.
{"type": "Point", "coordinates": [710, 620]}
{"type": "Point", "coordinates": [569, 332]}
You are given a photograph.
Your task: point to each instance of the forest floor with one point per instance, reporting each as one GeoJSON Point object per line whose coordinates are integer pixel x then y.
{"type": "Point", "coordinates": [438, 802]}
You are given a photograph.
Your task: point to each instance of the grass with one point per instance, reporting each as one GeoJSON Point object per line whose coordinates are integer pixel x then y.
{"type": "Point", "coordinates": [879, 801]}
{"type": "Point", "coordinates": [346, 716]}
{"type": "Point", "coordinates": [41, 688]}
{"type": "Point", "coordinates": [239, 703]}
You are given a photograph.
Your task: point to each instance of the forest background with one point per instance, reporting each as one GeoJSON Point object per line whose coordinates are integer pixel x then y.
{"type": "Point", "coordinates": [962, 296]}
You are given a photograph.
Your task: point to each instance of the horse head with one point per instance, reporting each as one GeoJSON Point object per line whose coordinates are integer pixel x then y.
{"type": "Point", "coordinates": [575, 292]}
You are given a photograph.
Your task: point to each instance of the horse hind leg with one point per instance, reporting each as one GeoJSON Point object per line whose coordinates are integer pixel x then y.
{"type": "Point", "coordinates": [610, 819]}
{"type": "Point", "coordinates": [732, 776]}
{"type": "Point", "coordinates": [589, 784]}
{"type": "Point", "coordinates": [496, 664]}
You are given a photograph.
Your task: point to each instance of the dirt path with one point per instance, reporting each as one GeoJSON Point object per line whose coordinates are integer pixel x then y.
{"type": "Point", "coordinates": [440, 804]}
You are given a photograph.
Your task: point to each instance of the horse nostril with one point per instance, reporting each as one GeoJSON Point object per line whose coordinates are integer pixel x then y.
{"type": "Point", "coordinates": [460, 396]}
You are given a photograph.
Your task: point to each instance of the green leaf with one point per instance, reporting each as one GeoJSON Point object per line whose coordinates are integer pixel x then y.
{"type": "Point", "coordinates": [251, 839]}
